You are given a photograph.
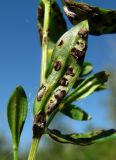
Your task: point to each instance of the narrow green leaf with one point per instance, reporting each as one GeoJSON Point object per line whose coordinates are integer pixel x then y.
{"type": "Point", "coordinates": [78, 82]}
{"type": "Point", "coordinates": [75, 112]}
{"type": "Point", "coordinates": [86, 69]}
{"type": "Point", "coordinates": [57, 25]}
{"type": "Point", "coordinates": [100, 88]}
{"type": "Point", "coordinates": [101, 21]}
{"type": "Point", "coordinates": [88, 86]}
{"type": "Point", "coordinates": [83, 139]}
{"type": "Point", "coordinates": [16, 114]}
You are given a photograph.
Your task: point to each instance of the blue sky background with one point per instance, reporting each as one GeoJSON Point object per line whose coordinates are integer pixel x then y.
{"type": "Point", "coordinates": [20, 56]}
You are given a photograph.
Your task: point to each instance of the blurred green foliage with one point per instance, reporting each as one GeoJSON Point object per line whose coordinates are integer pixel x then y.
{"type": "Point", "coordinates": [112, 97]}
{"type": "Point", "coordinates": [57, 151]}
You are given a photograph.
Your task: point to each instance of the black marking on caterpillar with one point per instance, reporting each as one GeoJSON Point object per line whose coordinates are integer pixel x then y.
{"type": "Point", "coordinates": [60, 94]}
{"type": "Point", "coordinates": [52, 105]}
{"type": "Point", "coordinates": [39, 124]}
{"type": "Point", "coordinates": [41, 92]}
{"type": "Point", "coordinates": [61, 43]}
{"type": "Point", "coordinates": [57, 65]}
{"type": "Point", "coordinates": [63, 81]}
{"type": "Point", "coordinates": [83, 33]}
{"type": "Point", "coordinates": [70, 71]}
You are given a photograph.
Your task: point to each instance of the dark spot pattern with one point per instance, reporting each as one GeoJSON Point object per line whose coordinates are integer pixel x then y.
{"type": "Point", "coordinates": [40, 12]}
{"type": "Point", "coordinates": [44, 39]}
{"type": "Point", "coordinates": [77, 53]}
{"type": "Point", "coordinates": [61, 43]}
{"type": "Point", "coordinates": [60, 94]}
{"type": "Point", "coordinates": [63, 81]}
{"type": "Point", "coordinates": [52, 105]}
{"type": "Point", "coordinates": [57, 65]}
{"type": "Point", "coordinates": [39, 124]}
{"type": "Point", "coordinates": [41, 92]}
{"type": "Point", "coordinates": [70, 71]}
{"type": "Point", "coordinates": [83, 33]}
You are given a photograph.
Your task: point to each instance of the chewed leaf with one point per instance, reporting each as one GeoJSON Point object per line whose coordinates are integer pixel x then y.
{"type": "Point", "coordinates": [101, 21]}
{"type": "Point", "coordinates": [75, 112]}
{"type": "Point", "coordinates": [88, 86]}
{"type": "Point", "coordinates": [57, 25]}
{"type": "Point", "coordinates": [83, 139]}
{"type": "Point", "coordinates": [86, 69]}
{"type": "Point", "coordinates": [16, 114]}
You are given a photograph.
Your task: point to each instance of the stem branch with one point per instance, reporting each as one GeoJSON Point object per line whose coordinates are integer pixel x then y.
{"type": "Point", "coordinates": [47, 4]}
{"type": "Point", "coordinates": [45, 40]}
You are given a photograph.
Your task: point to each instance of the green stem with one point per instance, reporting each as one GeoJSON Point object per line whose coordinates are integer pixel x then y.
{"type": "Point", "coordinates": [47, 4]}
{"type": "Point", "coordinates": [45, 39]}
{"type": "Point", "coordinates": [33, 150]}
{"type": "Point", "coordinates": [15, 153]}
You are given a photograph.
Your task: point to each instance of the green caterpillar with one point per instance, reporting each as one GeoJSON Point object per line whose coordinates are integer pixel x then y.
{"type": "Point", "coordinates": [101, 21]}
{"type": "Point", "coordinates": [69, 53]}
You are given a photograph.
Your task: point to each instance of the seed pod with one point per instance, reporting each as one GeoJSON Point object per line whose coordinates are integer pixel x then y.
{"type": "Point", "coordinates": [101, 21]}
{"type": "Point", "coordinates": [61, 56]}
{"type": "Point", "coordinates": [76, 57]}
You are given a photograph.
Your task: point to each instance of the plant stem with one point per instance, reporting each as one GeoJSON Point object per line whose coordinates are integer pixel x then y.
{"type": "Point", "coordinates": [47, 4]}
{"type": "Point", "coordinates": [15, 153]}
{"type": "Point", "coordinates": [33, 150]}
{"type": "Point", "coordinates": [45, 39]}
